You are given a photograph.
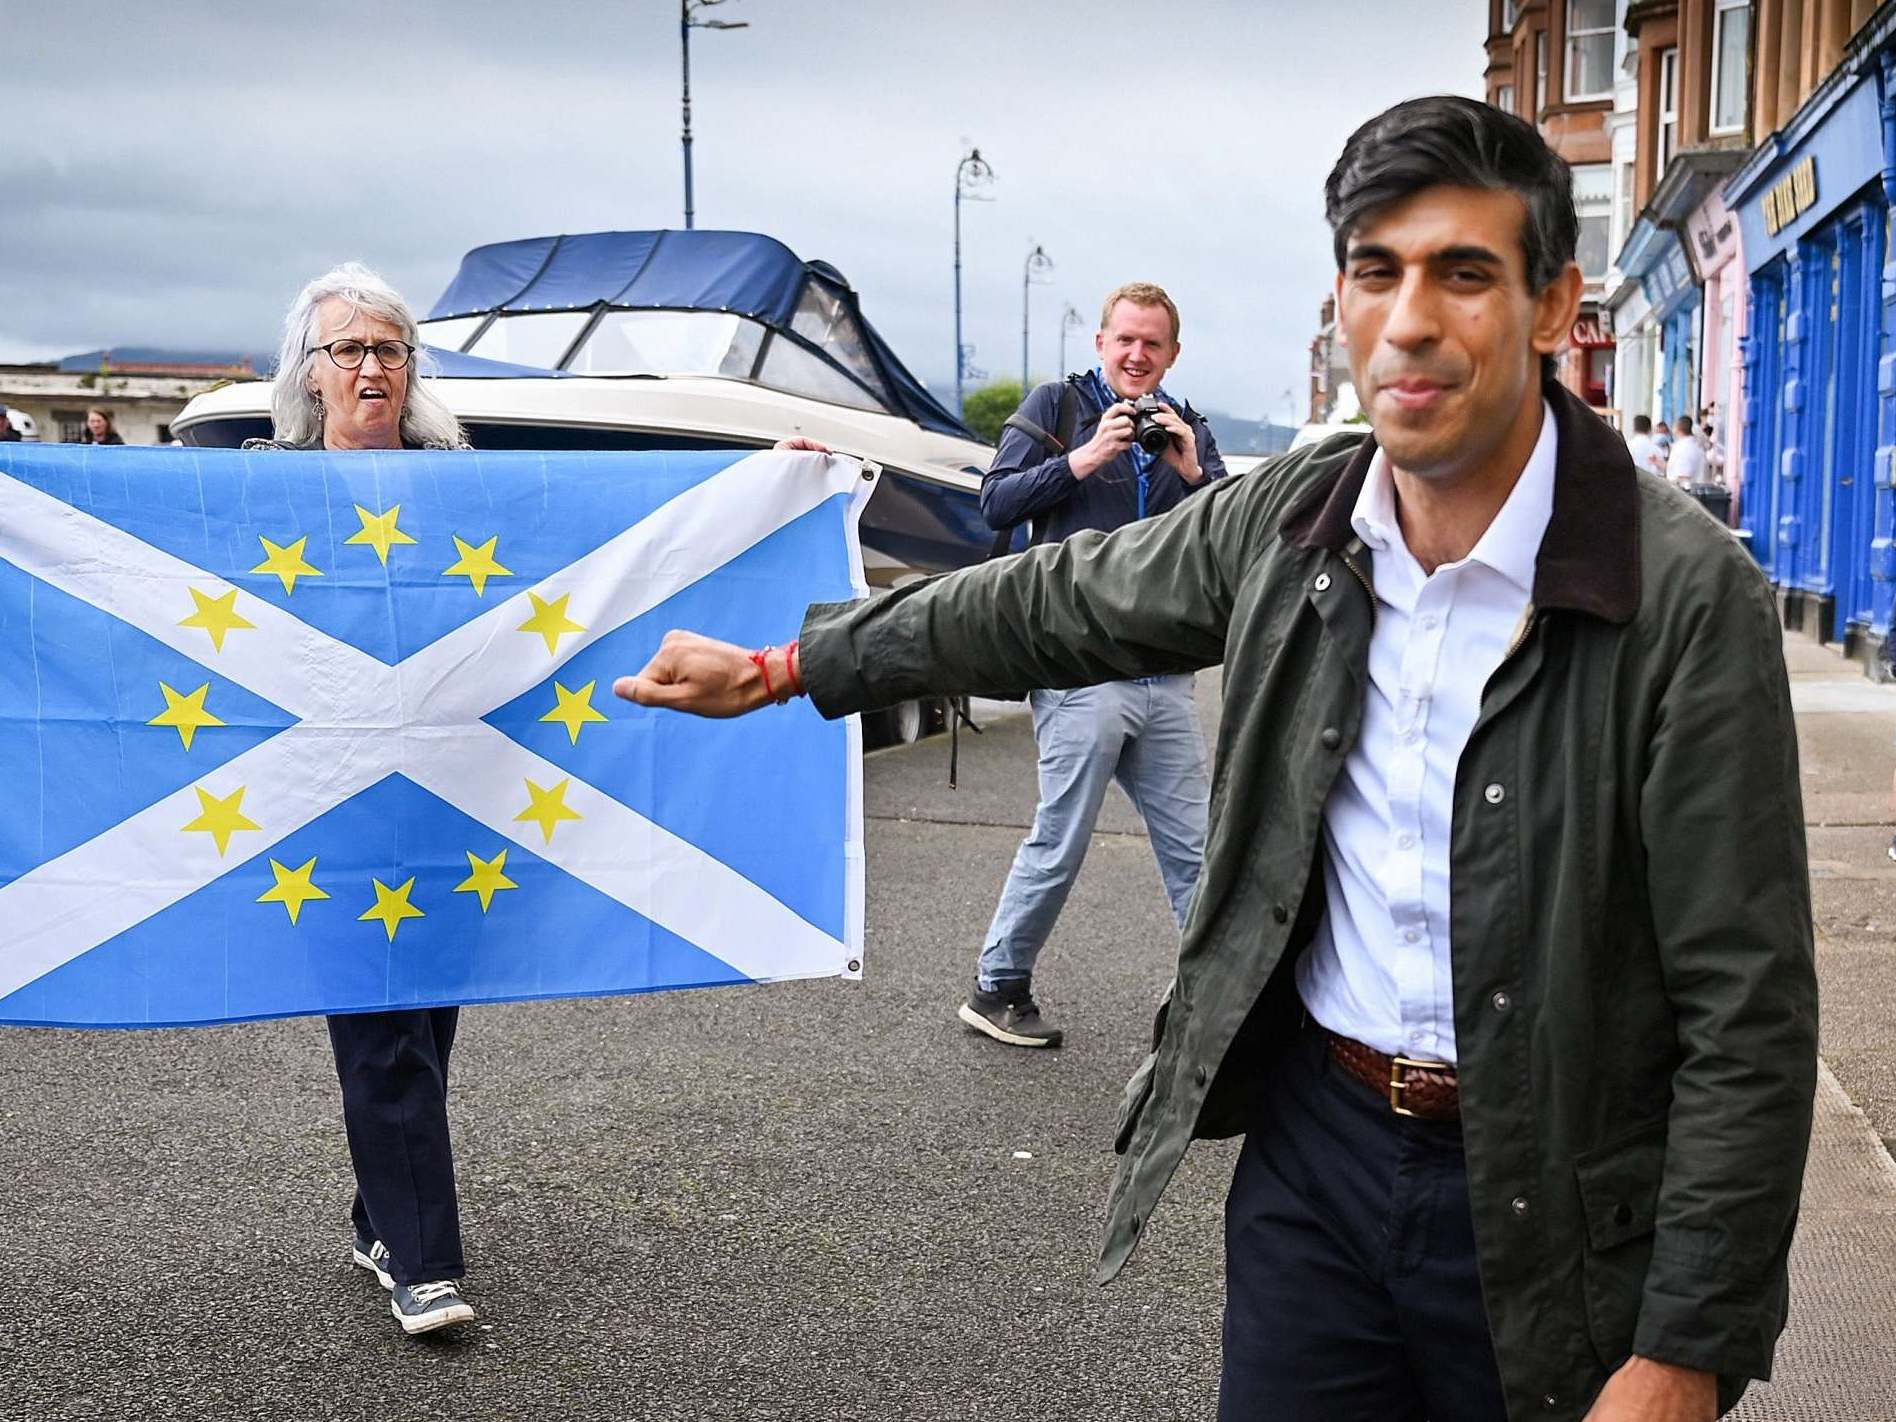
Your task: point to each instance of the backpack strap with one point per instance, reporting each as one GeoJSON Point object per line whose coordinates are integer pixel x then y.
{"type": "Point", "coordinates": [1066, 421]}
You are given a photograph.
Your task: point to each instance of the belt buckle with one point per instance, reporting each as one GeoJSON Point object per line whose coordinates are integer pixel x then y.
{"type": "Point", "coordinates": [1399, 1069]}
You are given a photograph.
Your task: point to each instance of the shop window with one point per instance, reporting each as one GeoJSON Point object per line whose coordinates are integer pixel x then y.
{"type": "Point", "coordinates": [1589, 49]}
{"type": "Point", "coordinates": [1593, 204]}
{"type": "Point", "coordinates": [71, 425]}
{"type": "Point", "coordinates": [1731, 41]}
{"type": "Point", "coordinates": [1599, 375]}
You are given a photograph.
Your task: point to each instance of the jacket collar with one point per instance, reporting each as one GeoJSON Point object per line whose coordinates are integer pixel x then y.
{"type": "Point", "coordinates": [1588, 560]}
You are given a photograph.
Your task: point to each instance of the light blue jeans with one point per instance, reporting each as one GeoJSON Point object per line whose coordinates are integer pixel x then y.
{"type": "Point", "coordinates": [1145, 735]}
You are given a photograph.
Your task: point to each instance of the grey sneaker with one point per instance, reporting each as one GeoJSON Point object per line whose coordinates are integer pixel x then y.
{"type": "Point", "coordinates": [372, 1254]}
{"type": "Point", "coordinates": [1009, 1014]}
{"type": "Point", "coordinates": [422, 1308]}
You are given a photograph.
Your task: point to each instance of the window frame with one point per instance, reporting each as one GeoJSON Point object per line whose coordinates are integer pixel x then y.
{"type": "Point", "coordinates": [1665, 144]}
{"type": "Point", "coordinates": [1720, 9]}
{"type": "Point", "coordinates": [1541, 97]}
{"type": "Point", "coordinates": [1504, 98]}
{"type": "Point", "coordinates": [1573, 37]}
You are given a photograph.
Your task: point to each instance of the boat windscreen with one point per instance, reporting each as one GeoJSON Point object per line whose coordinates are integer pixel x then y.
{"type": "Point", "coordinates": [451, 334]}
{"type": "Point", "coordinates": [670, 343]}
{"type": "Point", "coordinates": [788, 366]}
{"type": "Point", "coordinates": [825, 322]}
{"type": "Point", "coordinates": [532, 338]}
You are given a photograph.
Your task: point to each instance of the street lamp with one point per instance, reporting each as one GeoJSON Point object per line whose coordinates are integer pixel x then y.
{"type": "Point", "coordinates": [1038, 268]}
{"type": "Point", "coordinates": [687, 22]}
{"type": "Point", "coordinates": [972, 176]}
{"type": "Point", "coordinates": [1070, 320]}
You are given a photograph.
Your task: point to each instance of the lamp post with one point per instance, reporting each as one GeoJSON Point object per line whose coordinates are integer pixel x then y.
{"type": "Point", "coordinates": [1037, 268]}
{"type": "Point", "coordinates": [687, 22]}
{"type": "Point", "coordinates": [972, 176]}
{"type": "Point", "coordinates": [1070, 320]}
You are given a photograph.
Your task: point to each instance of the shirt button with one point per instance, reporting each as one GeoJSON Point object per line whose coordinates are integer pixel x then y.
{"type": "Point", "coordinates": [1415, 1038]}
{"type": "Point", "coordinates": [1502, 1002]}
{"type": "Point", "coordinates": [1200, 1076]}
{"type": "Point", "coordinates": [1429, 621]}
{"type": "Point", "coordinates": [1331, 738]}
{"type": "Point", "coordinates": [1322, 583]}
{"type": "Point", "coordinates": [1280, 913]}
{"type": "Point", "coordinates": [1409, 935]}
{"type": "Point", "coordinates": [1519, 1205]}
{"type": "Point", "coordinates": [1495, 793]}
{"type": "Point", "coordinates": [1550, 1402]}
{"type": "Point", "coordinates": [1405, 841]}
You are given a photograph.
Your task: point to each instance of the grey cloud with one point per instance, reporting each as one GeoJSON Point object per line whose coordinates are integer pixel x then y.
{"type": "Point", "coordinates": [176, 183]}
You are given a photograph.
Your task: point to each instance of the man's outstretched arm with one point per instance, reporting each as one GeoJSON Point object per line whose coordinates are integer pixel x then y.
{"type": "Point", "coordinates": [1150, 598]}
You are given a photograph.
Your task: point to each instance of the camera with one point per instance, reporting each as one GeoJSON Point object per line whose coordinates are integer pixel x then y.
{"type": "Point", "coordinates": [1148, 433]}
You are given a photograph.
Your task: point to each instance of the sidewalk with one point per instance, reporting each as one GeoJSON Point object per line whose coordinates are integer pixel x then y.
{"type": "Point", "coordinates": [1837, 1360]}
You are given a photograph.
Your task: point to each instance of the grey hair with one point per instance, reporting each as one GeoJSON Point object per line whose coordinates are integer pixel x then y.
{"type": "Point", "coordinates": [296, 409]}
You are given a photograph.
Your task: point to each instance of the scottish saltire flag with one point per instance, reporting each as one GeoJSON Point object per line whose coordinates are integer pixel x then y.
{"type": "Point", "coordinates": [293, 733]}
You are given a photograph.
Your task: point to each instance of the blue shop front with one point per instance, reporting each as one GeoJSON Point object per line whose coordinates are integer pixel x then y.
{"type": "Point", "coordinates": [1813, 202]}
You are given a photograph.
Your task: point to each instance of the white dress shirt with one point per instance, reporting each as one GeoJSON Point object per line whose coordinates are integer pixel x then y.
{"type": "Point", "coordinates": [1685, 466]}
{"type": "Point", "coordinates": [1378, 969]}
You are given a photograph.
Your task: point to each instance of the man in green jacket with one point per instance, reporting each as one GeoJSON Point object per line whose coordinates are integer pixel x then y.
{"type": "Point", "coordinates": [1501, 958]}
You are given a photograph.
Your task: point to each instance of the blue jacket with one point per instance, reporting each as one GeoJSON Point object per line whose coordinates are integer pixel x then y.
{"type": "Point", "coordinates": [1024, 483]}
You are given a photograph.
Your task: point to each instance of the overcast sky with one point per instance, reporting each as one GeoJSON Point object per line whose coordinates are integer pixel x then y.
{"type": "Point", "coordinates": [172, 173]}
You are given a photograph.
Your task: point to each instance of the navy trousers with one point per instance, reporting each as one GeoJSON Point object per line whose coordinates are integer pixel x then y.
{"type": "Point", "coordinates": [393, 1067]}
{"type": "Point", "coordinates": [1350, 1284]}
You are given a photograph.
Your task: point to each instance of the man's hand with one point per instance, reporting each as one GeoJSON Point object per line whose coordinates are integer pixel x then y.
{"type": "Point", "coordinates": [1183, 456]}
{"type": "Point", "coordinates": [803, 442]}
{"type": "Point", "coordinates": [704, 676]}
{"type": "Point", "coordinates": [1112, 439]}
{"type": "Point", "coordinates": [1645, 1391]}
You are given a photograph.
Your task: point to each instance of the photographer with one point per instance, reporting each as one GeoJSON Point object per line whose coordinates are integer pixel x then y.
{"type": "Point", "coordinates": [1095, 452]}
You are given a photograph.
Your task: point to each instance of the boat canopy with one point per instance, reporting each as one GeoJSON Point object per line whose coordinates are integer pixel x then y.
{"type": "Point", "coordinates": [735, 304]}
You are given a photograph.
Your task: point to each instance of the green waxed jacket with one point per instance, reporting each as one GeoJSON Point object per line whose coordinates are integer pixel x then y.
{"type": "Point", "coordinates": [1634, 981]}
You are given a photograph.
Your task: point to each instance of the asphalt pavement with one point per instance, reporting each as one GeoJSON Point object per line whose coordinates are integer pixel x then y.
{"type": "Point", "coordinates": [809, 1201]}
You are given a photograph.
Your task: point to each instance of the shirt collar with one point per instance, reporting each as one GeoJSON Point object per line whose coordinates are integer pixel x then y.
{"type": "Point", "coordinates": [1511, 542]}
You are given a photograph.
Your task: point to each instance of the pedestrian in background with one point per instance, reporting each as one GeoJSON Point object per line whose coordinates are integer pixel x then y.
{"type": "Point", "coordinates": [1662, 441]}
{"type": "Point", "coordinates": [99, 428]}
{"type": "Point", "coordinates": [1645, 453]}
{"type": "Point", "coordinates": [7, 432]}
{"type": "Point", "coordinates": [1685, 465]}
{"type": "Point", "coordinates": [1069, 463]}
{"type": "Point", "coordinates": [1526, 1092]}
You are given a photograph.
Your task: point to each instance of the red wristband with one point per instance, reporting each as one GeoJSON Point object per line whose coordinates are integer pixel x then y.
{"type": "Point", "coordinates": [790, 667]}
{"type": "Point", "coordinates": [760, 659]}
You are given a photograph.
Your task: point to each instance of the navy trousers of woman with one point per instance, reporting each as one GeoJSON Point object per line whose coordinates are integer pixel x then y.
{"type": "Point", "coordinates": [1351, 1293]}
{"type": "Point", "coordinates": [393, 1067]}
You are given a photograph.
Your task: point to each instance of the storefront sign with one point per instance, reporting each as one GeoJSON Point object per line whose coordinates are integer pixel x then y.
{"type": "Point", "coordinates": [1794, 195]}
{"type": "Point", "coordinates": [1783, 193]}
{"type": "Point", "coordinates": [1589, 334]}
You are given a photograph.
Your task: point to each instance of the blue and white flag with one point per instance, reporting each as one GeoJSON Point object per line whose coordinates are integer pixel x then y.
{"type": "Point", "coordinates": [289, 733]}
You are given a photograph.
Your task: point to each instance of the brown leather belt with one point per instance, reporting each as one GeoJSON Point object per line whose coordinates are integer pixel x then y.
{"type": "Point", "coordinates": [1426, 1090]}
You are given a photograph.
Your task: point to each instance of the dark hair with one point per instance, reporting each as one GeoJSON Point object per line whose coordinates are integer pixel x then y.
{"type": "Point", "coordinates": [1642, 424]}
{"type": "Point", "coordinates": [1685, 424]}
{"type": "Point", "coordinates": [1447, 140]}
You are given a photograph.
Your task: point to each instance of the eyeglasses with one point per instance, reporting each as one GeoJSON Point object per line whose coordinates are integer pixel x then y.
{"type": "Point", "coordinates": [349, 355]}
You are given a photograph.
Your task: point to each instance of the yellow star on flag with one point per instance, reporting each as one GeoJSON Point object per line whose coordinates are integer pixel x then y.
{"type": "Point", "coordinates": [575, 709]}
{"type": "Point", "coordinates": [391, 906]}
{"type": "Point", "coordinates": [477, 565]}
{"type": "Point", "coordinates": [216, 615]}
{"type": "Point", "coordinates": [287, 562]}
{"type": "Point", "coordinates": [381, 534]}
{"type": "Point", "coordinates": [547, 808]}
{"type": "Point", "coordinates": [293, 888]}
{"type": "Point", "coordinates": [549, 620]}
{"type": "Point", "coordinates": [221, 818]}
{"type": "Point", "coordinates": [184, 713]}
{"type": "Point", "coordinates": [487, 878]}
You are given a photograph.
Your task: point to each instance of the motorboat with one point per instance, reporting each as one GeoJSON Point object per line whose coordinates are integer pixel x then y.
{"type": "Point", "coordinates": [683, 340]}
